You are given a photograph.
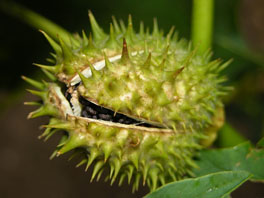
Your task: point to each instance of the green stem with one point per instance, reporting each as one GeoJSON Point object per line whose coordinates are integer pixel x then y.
{"type": "Point", "coordinates": [202, 24]}
{"type": "Point", "coordinates": [37, 21]}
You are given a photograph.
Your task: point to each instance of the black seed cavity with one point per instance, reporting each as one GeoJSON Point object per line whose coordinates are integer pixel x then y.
{"type": "Point", "coordinates": [68, 97]}
{"type": "Point", "coordinates": [67, 94]}
{"type": "Point", "coordinates": [91, 110]}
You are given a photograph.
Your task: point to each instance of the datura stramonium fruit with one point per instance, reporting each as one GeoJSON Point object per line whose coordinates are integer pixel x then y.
{"type": "Point", "coordinates": [136, 106]}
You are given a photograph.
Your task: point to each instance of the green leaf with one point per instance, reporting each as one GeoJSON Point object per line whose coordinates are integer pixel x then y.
{"type": "Point", "coordinates": [241, 157]}
{"type": "Point", "coordinates": [228, 136]}
{"type": "Point", "coordinates": [237, 46]}
{"type": "Point", "coordinates": [261, 143]}
{"type": "Point", "coordinates": [216, 185]}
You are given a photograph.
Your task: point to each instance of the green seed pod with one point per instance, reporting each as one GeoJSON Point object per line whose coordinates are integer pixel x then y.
{"type": "Point", "coordinates": [137, 105]}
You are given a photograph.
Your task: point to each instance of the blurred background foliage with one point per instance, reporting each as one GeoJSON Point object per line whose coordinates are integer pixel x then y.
{"type": "Point", "coordinates": [238, 34]}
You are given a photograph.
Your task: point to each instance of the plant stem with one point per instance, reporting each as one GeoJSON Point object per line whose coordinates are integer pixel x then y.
{"type": "Point", "coordinates": [37, 21]}
{"type": "Point", "coordinates": [202, 24]}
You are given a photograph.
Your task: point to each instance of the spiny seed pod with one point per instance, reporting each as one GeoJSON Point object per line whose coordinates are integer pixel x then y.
{"type": "Point", "coordinates": [137, 106]}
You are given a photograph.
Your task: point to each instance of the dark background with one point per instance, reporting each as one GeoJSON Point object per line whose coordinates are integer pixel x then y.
{"type": "Point", "coordinates": [25, 170]}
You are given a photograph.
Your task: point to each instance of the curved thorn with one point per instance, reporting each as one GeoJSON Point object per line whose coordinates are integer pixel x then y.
{"type": "Point", "coordinates": [34, 83]}
{"type": "Point", "coordinates": [53, 44]}
{"type": "Point", "coordinates": [53, 69]}
{"type": "Point", "coordinates": [116, 26]}
{"type": "Point", "coordinates": [125, 55]}
{"type": "Point", "coordinates": [97, 31]}
{"type": "Point", "coordinates": [148, 61]}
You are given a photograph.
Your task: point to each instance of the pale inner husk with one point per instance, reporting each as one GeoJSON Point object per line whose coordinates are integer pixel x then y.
{"type": "Point", "coordinates": [98, 66]}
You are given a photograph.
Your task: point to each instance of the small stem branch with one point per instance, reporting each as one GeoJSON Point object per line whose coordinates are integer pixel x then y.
{"type": "Point", "coordinates": [35, 20]}
{"type": "Point", "coordinates": [202, 24]}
